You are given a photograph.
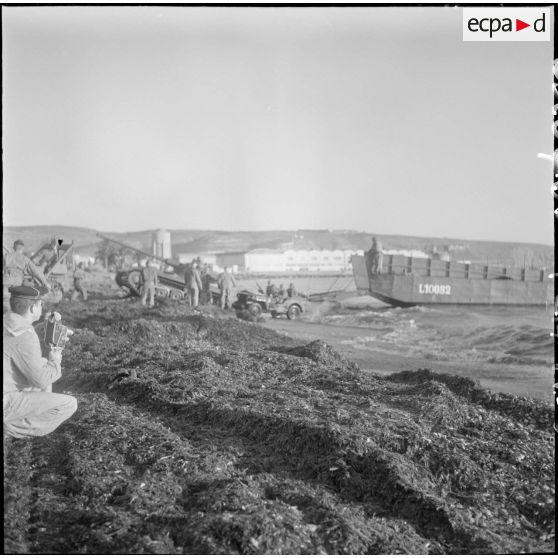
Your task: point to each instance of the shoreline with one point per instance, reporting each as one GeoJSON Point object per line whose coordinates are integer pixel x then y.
{"type": "Point", "coordinates": [516, 381]}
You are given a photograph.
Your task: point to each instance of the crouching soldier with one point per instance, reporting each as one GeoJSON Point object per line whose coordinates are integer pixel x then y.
{"type": "Point", "coordinates": [30, 408]}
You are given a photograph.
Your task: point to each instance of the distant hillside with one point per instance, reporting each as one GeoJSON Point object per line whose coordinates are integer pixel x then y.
{"type": "Point", "coordinates": [204, 241]}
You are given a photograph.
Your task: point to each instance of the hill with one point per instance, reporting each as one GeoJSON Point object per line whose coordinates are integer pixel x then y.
{"type": "Point", "coordinates": [203, 241]}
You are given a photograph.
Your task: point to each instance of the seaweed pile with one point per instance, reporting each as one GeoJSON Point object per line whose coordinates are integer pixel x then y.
{"type": "Point", "coordinates": [200, 433]}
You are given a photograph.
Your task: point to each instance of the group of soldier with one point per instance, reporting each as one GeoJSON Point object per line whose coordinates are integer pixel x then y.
{"type": "Point", "coordinates": [197, 285]}
{"type": "Point", "coordinates": [280, 293]}
{"type": "Point", "coordinates": [198, 280]}
{"type": "Point", "coordinates": [18, 269]}
{"type": "Point", "coordinates": [29, 406]}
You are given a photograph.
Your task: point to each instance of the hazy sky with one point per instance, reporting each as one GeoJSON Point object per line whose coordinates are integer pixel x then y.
{"type": "Point", "coordinates": [376, 119]}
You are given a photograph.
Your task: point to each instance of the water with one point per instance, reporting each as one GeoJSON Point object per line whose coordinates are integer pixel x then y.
{"type": "Point", "coordinates": [504, 335]}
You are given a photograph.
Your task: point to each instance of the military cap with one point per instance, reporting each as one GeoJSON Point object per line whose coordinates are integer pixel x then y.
{"type": "Point", "coordinates": [31, 293]}
{"type": "Point", "coordinates": [18, 243]}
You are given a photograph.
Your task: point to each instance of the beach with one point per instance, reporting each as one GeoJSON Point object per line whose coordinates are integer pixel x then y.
{"type": "Point", "coordinates": [508, 349]}
{"type": "Point", "coordinates": [514, 379]}
{"type": "Point", "coordinates": [200, 433]}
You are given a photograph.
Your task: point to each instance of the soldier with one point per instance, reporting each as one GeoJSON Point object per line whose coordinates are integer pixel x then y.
{"type": "Point", "coordinates": [374, 257]}
{"type": "Point", "coordinates": [16, 266]}
{"type": "Point", "coordinates": [30, 408]}
{"type": "Point", "coordinates": [150, 281]}
{"type": "Point", "coordinates": [193, 284]}
{"type": "Point", "coordinates": [187, 279]}
{"type": "Point", "coordinates": [379, 257]}
{"type": "Point", "coordinates": [79, 288]}
{"type": "Point", "coordinates": [291, 291]}
{"type": "Point", "coordinates": [268, 288]}
{"type": "Point", "coordinates": [226, 283]}
{"type": "Point", "coordinates": [369, 257]}
{"type": "Point", "coordinates": [206, 282]}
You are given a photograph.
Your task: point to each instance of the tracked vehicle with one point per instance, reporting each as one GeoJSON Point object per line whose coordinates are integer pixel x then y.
{"type": "Point", "coordinates": [171, 283]}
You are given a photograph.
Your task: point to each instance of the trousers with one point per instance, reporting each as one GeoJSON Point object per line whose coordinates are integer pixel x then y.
{"type": "Point", "coordinates": [35, 413]}
{"type": "Point", "coordinates": [79, 289]}
{"type": "Point", "coordinates": [225, 300]}
{"type": "Point", "coordinates": [194, 296]}
{"type": "Point", "coordinates": [148, 291]}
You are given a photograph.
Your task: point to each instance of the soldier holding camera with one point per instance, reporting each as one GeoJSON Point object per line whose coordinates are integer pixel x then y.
{"type": "Point", "coordinates": [30, 409]}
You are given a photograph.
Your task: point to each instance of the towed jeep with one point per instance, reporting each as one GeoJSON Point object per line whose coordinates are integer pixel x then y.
{"type": "Point", "coordinates": [292, 307]}
{"type": "Point", "coordinates": [258, 303]}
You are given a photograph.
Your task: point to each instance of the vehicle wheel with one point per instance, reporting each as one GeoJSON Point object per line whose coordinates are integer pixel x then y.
{"type": "Point", "coordinates": [134, 278]}
{"type": "Point", "coordinates": [255, 309]}
{"type": "Point", "coordinates": [130, 281]}
{"type": "Point", "coordinates": [294, 312]}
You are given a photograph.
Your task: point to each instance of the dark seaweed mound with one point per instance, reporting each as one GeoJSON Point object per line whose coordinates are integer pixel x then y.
{"type": "Point", "coordinates": [198, 432]}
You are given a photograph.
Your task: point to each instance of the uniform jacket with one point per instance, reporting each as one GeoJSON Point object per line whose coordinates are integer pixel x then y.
{"type": "Point", "coordinates": [16, 266]}
{"type": "Point", "coordinates": [206, 281]}
{"type": "Point", "coordinates": [193, 279]}
{"type": "Point", "coordinates": [79, 275]}
{"type": "Point", "coordinates": [226, 281]}
{"type": "Point", "coordinates": [149, 276]}
{"type": "Point", "coordinates": [23, 364]}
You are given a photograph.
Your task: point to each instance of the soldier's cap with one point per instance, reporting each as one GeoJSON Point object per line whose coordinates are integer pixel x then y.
{"type": "Point", "coordinates": [18, 243]}
{"type": "Point", "coordinates": [30, 293]}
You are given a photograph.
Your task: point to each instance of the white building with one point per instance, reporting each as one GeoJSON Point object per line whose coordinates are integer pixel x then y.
{"type": "Point", "coordinates": [265, 260]}
{"type": "Point", "coordinates": [161, 242]}
{"type": "Point", "coordinates": [189, 257]}
{"type": "Point", "coordinates": [262, 260]}
{"type": "Point", "coordinates": [408, 253]}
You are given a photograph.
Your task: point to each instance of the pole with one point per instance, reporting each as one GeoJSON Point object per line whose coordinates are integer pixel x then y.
{"type": "Point", "coordinates": [151, 256]}
{"type": "Point", "coordinates": [65, 253]}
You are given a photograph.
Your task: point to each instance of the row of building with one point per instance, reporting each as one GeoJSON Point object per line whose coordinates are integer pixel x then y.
{"type": "Point", "coordinates": [268, 260]}
{"type": "Point", "coordinates": [279, 261]}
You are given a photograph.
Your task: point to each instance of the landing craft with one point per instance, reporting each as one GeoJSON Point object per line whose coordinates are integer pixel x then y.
{"type": "Point", "coordinates": [410, 281]}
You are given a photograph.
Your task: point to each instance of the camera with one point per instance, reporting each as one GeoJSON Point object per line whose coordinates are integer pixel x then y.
{"type": "Point", "coordinates": [56, 334]}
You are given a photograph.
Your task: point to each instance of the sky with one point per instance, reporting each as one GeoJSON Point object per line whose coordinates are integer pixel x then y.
{"type": "Point", "coordinates": [372, 119]}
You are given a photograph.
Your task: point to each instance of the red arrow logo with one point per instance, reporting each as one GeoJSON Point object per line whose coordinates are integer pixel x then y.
{"type": "Point", "coordinates": [519, 25]}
